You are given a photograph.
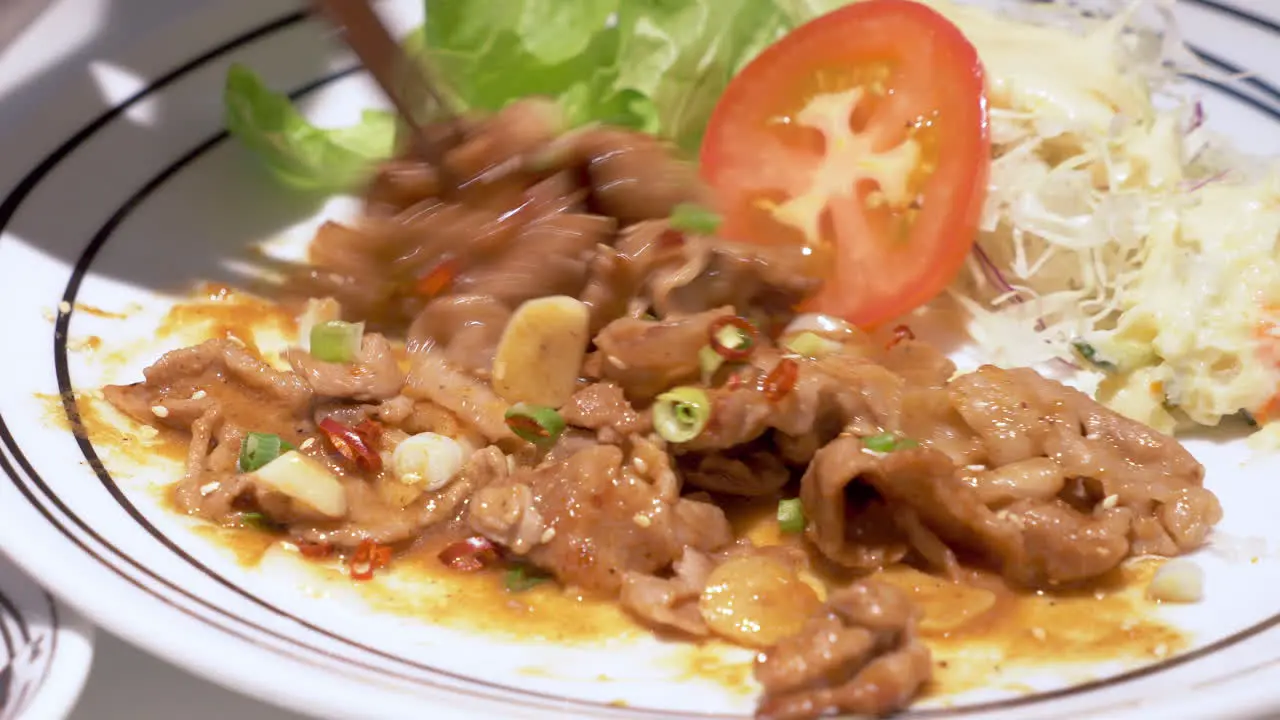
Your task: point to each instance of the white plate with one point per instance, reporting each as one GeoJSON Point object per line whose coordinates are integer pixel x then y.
{"type": "Point", "coordinates": [124, 187]}
{"type": "Point", "coordinates": [45, 650]}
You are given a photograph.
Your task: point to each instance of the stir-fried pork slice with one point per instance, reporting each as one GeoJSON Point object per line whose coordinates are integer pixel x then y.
{"type": "Point", "coordinates": [374, 375]}
{"type": "Point", "coordinates": [1021, 415]}
{"type": "Point", "coordinates": [466, 328]}
{"type": "Point", "coordinates": [860, 656]}
{"type": "Point", "coordinates": [829, 395]}
{"type": "Point", "coordinates": [185, 384]}
{"type": "Point", "coordinates": [591, 518]}
{"type": "Point", "coordinates": [647, 357]}
{"type": "Point", "coordinates": [670, 603]}
{"type": "Point", "coordinates": [1034, 542]}
{"type": "Point", "coordinates": [551, 256]}
{"type": "Point", "coordinates": [604, 408]}
{"type": "Point", "coordinates": [433, 378]}
{"type": "Point", "coordinates": [758, 473]}
{"type": "Point", "coordinates": [373, 516]}
{"type": "Point", "coordinates": [633, 176]}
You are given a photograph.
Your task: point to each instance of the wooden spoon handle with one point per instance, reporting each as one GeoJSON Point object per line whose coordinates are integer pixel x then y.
{"type": "Point", "coordinates": [406, 83]}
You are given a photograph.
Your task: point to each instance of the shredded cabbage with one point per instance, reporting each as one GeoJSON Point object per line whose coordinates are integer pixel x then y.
{"type": "Point", "coordinates": [1100, 167]}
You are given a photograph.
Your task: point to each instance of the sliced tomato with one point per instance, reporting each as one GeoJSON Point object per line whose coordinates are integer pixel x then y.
{"type": "Point", "coordinates": [860, 137]}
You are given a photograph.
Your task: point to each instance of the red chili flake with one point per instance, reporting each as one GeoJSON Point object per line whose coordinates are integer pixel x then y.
{"type": "Point", "coordinates": [315, 550]}
{"type": "Point", "coordinates": [352, 445]}
{"type": "Point", "coordinates": [900, 333]}
{"type": "Point", "coordinates": [438, 278]}
{"type": "Point", "coordinates": [781, 380]}
{"type": "Point", "coordinates": [368, 557]}
{"type": "Point", "coordinates": [670, 239]}
{"type": "Point", "coordinates": [370, 430]}
{"type": "Point", "coordinates": [747, 332]}
{"type": "Point", "coordinates": [527, 427]}
{"type": "Point", "coordinates": [474, 553]}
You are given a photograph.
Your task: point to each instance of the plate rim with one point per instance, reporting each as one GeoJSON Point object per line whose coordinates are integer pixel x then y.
{"type": "Point", "coordinates": [6, 212]}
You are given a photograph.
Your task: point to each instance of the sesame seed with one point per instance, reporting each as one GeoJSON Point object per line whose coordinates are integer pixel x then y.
{"type": "Point", "coordinates": [148, 433]}
{"type": "Point", "coordinates": [308, 443]}
{"type": "Point", "coordinates": [199, 395]}
{"type": "Point", "coordinates": [1110, 502]}
{"type": "Point", "coordinates": [640, 465]}
{"type": "Point", "coordinates": [616, 362]}
{"type": "Point", "coordinates": [548, 535]}
{"type": "Point", "coordinates": [236, 340]}
{"type": "Point", "coordinates": [64, 307]}
{"type": "Point", "coordinates": [160, 411]}
{"type": "Point", "coordinates": [642, 520]}
{"type": "Point", "coordinates": [209, 488]}
{"type": "Point", "coordinates": [1038, 633]}
{"type": "Point", "coordinates": [1161, 650]}
{"type": "Point", "coordinates": [975, 468]}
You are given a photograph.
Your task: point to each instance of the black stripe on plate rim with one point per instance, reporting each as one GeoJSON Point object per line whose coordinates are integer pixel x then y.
{"type": "Point", "coordinates": [9, 207]}
{"type": "Point", "coordinates": [1241, 15]}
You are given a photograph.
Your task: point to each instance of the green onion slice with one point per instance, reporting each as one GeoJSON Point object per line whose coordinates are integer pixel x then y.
{"type": "Point", "coordinates": [1090, 353]}
{"type": "Point", "coordinates": [258, 449]}
{"type": "Point", "coordinates": [535, 423]}
{"type": "Point", "coordinates": [811, 345]}
{"type": "Point", "coordinates": [883, 443]}
{"type": "Point", "coordinates": [709, 362]}
{"type": "Point", "coordinates": [791, 516]}
{"type": "Point", "coordinates": [519, 579]}
{"type": "Point", "coordinates": [681, 414]}
{"type": "Point", "coordinates": [691, 218]}
{"type": "Point", "coordinates": [258, 520]}
{"type": "Point", "coordinates": [336, 341]}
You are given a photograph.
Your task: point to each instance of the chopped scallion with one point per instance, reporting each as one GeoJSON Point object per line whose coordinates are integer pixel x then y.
{"type": "Point", "coordinates": [688, 217]}
{"type": "Point", "coordinates": [1090, 353]}
{"type": "Point", "coordinates": [519, 579]}
{"type": "Point", "coordinates": [888, 442]}
{"type": "Point", "coordinates": [811, 345]}
{"type": "Point", "coordinates": [336, 341]}
{"type": "Point", "coordinates": [258, 520]}
{"type": "Point", "coordinates": [258, 449]}
{"type": "Point", "coordinates": [710, 362]}
{"type": "Point", "coordinates": [681, 414]}
{"type": "Point", "coordinates": [535, 423]}
{"type": "Point", "coordinates": [791, 516]}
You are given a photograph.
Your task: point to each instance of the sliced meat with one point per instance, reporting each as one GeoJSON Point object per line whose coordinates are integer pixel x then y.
{"type": "Point", "coordinates": [551, 256]}
{"type": "Point", "coordinates": [183, 385]}
{"type": "Point", "coordinates": [668, 604]}
{"type": "Point", "coordinates": [682, 274]}
{"type": "Point", "coordinates": [604, 408]}
{"type": "Point", "coordinates": [633, 176]}
{"type": "Point", "coordinates": [432, 377]}
{"type": "Point", "coordinates": [860, 656]}
{"type": "Point", "coordinates": [374, 375]}
{"type": "Point", "coordinates": [600, 515]}
{"type": "Point", "coordinates": [753, 474]}
{"type": "Point", "coordinates": [466, 328]}
{"type": "Point", "coordinates": [648, 357]}
{"type": "Point", "coordinates": [372, 517]}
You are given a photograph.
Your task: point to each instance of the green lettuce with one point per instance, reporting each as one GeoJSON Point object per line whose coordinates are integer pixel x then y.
{"type": "Point", "coordinates": [658, 66]}
{"type": "Point", "coordinates": [297, 152]}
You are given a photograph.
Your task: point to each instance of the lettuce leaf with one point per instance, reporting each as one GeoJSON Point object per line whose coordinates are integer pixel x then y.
{"type": "Point", "coordinates": [299, 153]}
{"type": "Point", "coordinates": [654, 65]}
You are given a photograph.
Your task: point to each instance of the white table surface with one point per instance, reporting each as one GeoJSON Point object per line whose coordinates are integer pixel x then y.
{"type": "Point", "coordinates": [125, 682]}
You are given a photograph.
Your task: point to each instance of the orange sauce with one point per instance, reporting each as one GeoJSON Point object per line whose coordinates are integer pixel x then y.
{"type": "Point", "coordinates": [99, 312]}
{"type": "Point", "coordinates": [221, 312]}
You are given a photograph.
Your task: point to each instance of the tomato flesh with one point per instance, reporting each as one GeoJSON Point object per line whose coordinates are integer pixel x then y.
{"type": "Point", "coordinates": [861, 138]}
